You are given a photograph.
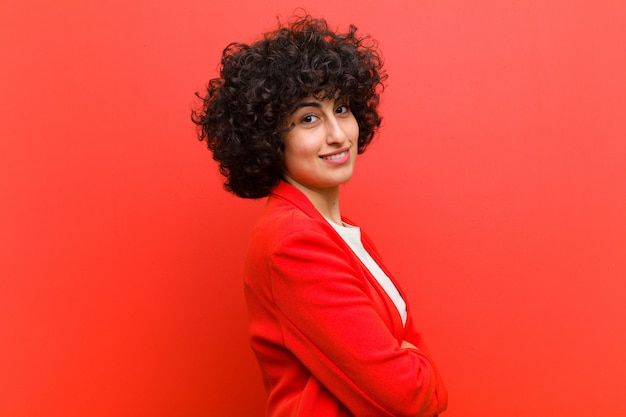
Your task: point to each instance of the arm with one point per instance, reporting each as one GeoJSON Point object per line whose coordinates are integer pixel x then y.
{"type": "Point", "coordinates": [417, 342]}
{"type": "Point", "coordinates": [331, 324]}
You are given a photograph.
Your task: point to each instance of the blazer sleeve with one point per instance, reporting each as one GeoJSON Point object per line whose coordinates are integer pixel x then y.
{"type": "Point", "coordinates": [330, 323]}
{"type": "Point", "coordinates": [416, 338]}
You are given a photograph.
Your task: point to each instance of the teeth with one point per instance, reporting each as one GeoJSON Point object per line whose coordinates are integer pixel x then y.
{"type": "Point", "coordinates": [336, 156]}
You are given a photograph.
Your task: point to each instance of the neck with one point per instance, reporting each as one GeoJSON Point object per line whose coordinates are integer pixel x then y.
{"type": "Point", "coordinates": [325, 200]}
{"type": "Point", "coordinates": [329, 207]}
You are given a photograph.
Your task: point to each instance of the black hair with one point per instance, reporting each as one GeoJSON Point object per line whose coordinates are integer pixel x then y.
{"type": "Point", "coordinates": [242, 116]}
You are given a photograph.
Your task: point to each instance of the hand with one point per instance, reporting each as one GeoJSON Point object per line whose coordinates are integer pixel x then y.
{"type": "Point", "coordinates": [408, 345]}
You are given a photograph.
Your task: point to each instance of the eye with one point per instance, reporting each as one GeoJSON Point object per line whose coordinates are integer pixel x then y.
{"type": "Point", "coordinates": [309, 118]}
{"type": "Point", "coordinates": [343, 109]}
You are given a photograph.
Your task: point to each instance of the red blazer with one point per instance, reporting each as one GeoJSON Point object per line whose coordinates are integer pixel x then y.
{"type": "Point", "coordinates": [325, 333]}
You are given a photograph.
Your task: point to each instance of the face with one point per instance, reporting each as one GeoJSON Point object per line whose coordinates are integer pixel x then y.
{"type": "Point", "coordinates": [321, 145]}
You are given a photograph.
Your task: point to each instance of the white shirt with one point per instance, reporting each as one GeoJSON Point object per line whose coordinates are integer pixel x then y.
{"type": "Point", "coordinates": [352, 236]}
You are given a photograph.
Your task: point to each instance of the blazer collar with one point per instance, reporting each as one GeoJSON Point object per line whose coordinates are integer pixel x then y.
{"type": "Point", "coordinates": [288, 192]}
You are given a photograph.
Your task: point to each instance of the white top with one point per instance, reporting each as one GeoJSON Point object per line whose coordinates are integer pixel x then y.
{"type": "Point", "coordinates": [352, 236]}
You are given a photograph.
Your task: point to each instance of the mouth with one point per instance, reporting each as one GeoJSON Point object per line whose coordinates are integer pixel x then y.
{"type": "Point", "coordinates": [335, 156]}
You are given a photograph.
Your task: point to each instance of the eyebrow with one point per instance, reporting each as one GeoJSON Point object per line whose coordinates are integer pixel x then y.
{"type": "Point", "coordinates": [306, 104]}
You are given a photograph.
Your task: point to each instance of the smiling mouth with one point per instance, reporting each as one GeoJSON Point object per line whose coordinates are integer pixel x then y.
{"type": "Point", "coordinates": [335, 156]}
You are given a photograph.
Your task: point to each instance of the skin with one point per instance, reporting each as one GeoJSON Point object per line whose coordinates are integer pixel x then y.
{"type": "Point", "coordinates": [320, 151]}
{"type": "Point", "coordinates": [320, 154]}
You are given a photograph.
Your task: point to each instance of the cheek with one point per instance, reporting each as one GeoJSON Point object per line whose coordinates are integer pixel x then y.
{"type": "Point", "coordinates": [293, 156]}
{"type": "Point", "coordinates": [354, 132]}
{"type": "Point", "coordinates": [353, 126]}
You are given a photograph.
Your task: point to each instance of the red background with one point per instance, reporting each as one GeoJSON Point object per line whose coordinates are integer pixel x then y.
{"type": "Point", "coordinates": [496, 191]}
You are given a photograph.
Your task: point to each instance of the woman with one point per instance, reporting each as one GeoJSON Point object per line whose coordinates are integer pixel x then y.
{"type": "Point", "coordinates": [329, 325]}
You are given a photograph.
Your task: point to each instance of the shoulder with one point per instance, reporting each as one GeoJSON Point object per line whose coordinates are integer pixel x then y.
{"type": "Point", "coordinates": [291, 228]}
{"type": "Point", "coordinates": [282, 221]}
{"type": "Point", "coordinates": [289, 211]}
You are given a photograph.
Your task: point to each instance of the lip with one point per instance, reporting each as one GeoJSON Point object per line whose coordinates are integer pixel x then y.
{"type": "Point", "coordinates": [338, 157]}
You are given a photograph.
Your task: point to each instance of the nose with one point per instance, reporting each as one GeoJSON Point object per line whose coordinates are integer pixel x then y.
{"type": "Point", "coordinates": [335, 133]}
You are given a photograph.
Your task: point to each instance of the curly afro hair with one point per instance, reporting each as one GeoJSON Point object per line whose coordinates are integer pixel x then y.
{"type": "Point", "coordinates": [243, 115]}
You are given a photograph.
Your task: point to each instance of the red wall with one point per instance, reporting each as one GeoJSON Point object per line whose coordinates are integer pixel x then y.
{"type": "Point", "coordinates": [496, 191]}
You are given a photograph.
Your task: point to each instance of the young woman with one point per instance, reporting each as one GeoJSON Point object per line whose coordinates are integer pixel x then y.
{"type": "Point", "coordinates": [329, 325]}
